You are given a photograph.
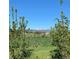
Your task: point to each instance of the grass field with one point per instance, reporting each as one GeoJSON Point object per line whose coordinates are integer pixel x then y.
{"type": "Point", "coordinates": [41, 53]}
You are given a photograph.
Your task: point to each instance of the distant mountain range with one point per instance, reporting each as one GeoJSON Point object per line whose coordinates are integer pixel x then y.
{"type": "Point", "coordinates": [40, 30]}
{"type": "Point", "coordinates": [35, 30]}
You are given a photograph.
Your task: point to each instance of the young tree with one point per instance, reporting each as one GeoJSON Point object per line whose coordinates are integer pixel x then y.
{"type": "Point", "coordinates": [61, 38]}
{"type": "Point", "coordinates": [18, 49]}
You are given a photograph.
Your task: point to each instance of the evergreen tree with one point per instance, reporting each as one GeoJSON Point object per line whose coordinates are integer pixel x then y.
{"type": "Point", "coordinates": [17, 44]}
{"type": "Point", "coordinates": [61, 38]}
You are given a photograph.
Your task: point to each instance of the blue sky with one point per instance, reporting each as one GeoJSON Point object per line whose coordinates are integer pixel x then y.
{"type": "Point", "coordinates": [40, 13]}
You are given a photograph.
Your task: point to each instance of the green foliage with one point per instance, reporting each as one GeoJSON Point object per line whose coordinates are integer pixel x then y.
{"type": "Point", "coordinates": [18, 48]}
{"type": "Point", "coordinates": [56, 54]}
{"type": "Point", "coordinates": [17, 44]}
{"type": "Point", "coordinates": [60, 38]}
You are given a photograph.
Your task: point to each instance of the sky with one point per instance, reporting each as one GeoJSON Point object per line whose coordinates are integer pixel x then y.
{"type": "Point", "coordinates": [40, 14]}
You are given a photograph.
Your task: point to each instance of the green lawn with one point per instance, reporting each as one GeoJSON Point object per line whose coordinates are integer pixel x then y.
{"type": "Point", "coordinates": [41, 53]}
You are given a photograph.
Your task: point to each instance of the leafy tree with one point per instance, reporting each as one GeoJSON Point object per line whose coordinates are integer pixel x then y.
{"type": "Point", "coordinates": [17, 44]}
{"type": "Point", "coordinates": [61, 38]}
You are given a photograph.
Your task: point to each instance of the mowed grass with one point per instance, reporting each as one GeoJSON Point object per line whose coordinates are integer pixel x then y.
{"type": "Point", "coordinates": [41, 53]}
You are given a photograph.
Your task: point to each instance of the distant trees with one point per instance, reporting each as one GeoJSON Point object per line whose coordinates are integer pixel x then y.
{"type": "Point", "coordinates": [60, 35]}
